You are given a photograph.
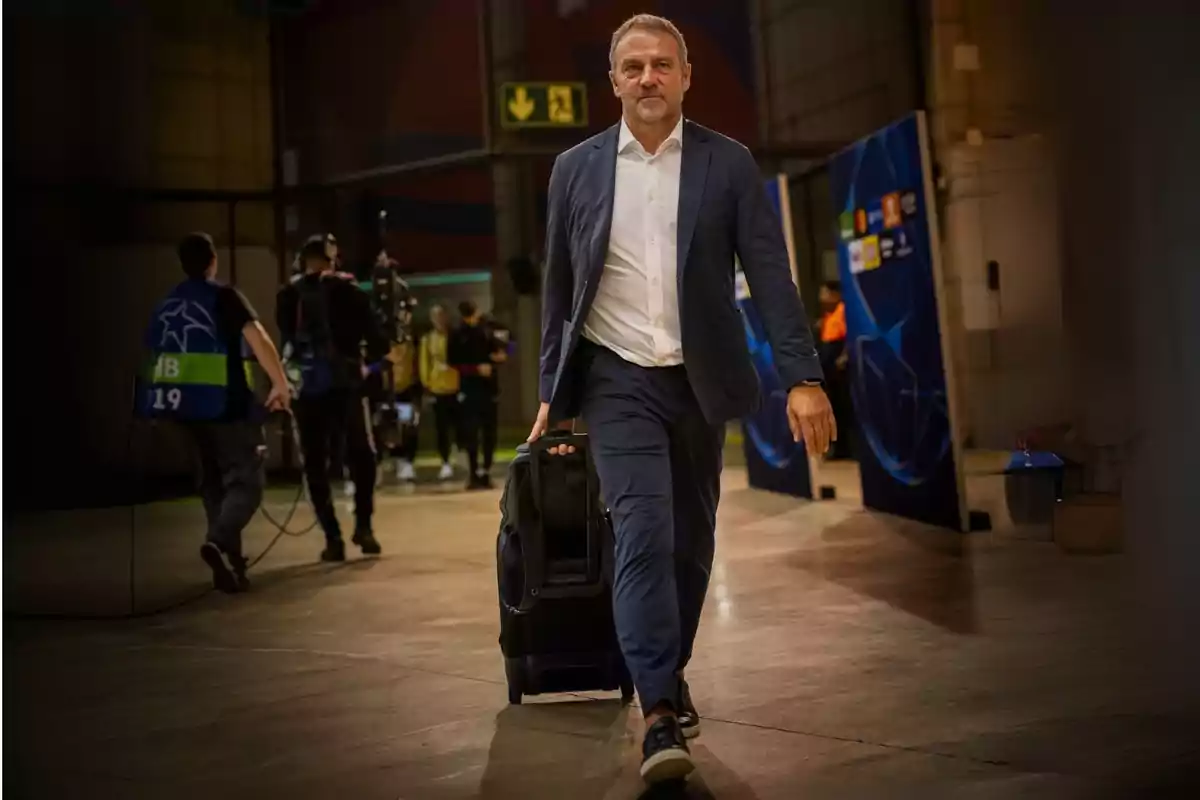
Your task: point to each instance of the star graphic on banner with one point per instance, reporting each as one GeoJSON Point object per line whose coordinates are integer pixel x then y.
{"type": "Point", "coordinates": [179, 317]}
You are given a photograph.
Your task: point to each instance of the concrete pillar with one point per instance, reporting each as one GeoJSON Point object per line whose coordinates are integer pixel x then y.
{"type": "Point", "coordinates": [999, 203]}
{"type": "Point", "coordinates": [513, 195]}
{"type": "Point", "coordinates": [1126, 87]}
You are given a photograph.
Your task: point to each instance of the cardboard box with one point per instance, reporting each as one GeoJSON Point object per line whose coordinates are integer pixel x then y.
{"type": "Point", "coordinates": [1089, 524]}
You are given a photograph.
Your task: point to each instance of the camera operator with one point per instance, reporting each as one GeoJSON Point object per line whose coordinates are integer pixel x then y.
{"type": "Point", "coordinates": [475, 350]}
{"type": "Point", "coordinates": [324, 320]}
{"type": "Point", "coordinates": [337, 447]}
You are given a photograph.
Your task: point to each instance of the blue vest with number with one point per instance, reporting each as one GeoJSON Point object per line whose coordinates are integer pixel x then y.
{"type": "Point", "coordinates": [187, 377]}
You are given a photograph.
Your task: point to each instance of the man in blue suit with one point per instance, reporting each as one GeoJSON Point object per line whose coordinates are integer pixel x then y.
{"type": "Point", "coordinates": [642, 338]}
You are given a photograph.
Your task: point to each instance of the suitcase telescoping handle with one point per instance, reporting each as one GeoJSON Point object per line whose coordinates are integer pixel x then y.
{"type": "Point", "coordinates": [536, 584]}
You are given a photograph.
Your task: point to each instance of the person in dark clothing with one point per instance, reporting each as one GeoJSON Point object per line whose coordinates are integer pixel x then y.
{"type": "Point", "coordinates": [337, 447]}
{"type": "Point", "coordinates": [325, 320]}
{"type": "Point", "coordinates": [474, 351]}
{"type": "Point", "coordinates": [199, 322]}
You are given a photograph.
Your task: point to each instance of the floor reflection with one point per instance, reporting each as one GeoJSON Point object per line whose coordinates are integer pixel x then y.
{"type": "Point", "coordinates": [570, 750]}
{"type": "Point", "coordinates": [920, 570]}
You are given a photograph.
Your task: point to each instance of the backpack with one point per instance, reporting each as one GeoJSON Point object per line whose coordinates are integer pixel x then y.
{"type": "Point", "coordinates": [314, 365]}
{"type": "Point", "coordinates": [555, 535]}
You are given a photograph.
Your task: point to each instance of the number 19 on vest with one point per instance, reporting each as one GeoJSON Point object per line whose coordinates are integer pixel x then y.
{"type": "Point", "coordinates": [164, 398]}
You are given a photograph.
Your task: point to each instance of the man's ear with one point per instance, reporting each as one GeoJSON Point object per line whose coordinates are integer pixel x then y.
{"type": "Point", "coordinates": [687, 77]}
{"type": "Point", "coordinates": [612, 78]}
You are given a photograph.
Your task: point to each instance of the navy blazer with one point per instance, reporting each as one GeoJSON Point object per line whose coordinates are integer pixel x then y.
{"type": "Point", "coordinates": [723, 211]}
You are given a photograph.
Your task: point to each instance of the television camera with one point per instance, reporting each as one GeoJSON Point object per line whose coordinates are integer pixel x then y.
{"type": "Point", "coordinates": [395, 408]}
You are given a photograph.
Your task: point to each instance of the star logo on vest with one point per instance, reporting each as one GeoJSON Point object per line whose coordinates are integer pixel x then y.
{"type": "Point", "coordinates": [180, 317]}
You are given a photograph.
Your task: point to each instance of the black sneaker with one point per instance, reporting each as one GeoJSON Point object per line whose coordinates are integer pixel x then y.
{"type": "Point", "coordinates": [224, 577]}
{"type": "Point", "coordinates": [665, 755]}
{"type": "Point", "coordinates": [689, 720]}
{"type": "Point", "coordinates": [366, 541]}
{"type": "Point", "coordinates": [335, 550]}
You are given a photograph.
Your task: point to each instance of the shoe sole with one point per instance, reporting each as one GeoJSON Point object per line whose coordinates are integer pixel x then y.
{"type": "Point", "coordinates": [223, 579]}
{"type": "Point", "coordinates": [690, 731]}
{"type": "Point", "coordinates": [369, 550]}
{"type": "Point", "coordinates": [667, 765]}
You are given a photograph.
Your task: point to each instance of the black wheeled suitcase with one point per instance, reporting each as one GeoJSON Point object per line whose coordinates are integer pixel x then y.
{"type": "Point", "coordinates": [554, 559]}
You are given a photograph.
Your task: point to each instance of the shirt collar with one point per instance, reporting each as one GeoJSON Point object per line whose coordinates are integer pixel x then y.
{"type": "Point", "coordinates": [625, 139]}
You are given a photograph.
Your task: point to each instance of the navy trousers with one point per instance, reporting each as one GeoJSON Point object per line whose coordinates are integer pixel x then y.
{"type": "Point", "coordinates": [659, 463]}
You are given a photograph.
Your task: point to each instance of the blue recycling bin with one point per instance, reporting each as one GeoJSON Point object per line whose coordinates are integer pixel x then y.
{"type": "Point", "coordinates": [1035, 481]}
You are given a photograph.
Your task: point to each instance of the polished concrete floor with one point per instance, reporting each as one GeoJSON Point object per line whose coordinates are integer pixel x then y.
{"type": "Point", "coordinates": [842, 655]}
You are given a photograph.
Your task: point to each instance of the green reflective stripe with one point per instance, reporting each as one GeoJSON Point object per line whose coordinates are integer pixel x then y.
{"type": "Point", "coordinates": [204, 369]}
{"type": "Point", "coordinates": [249, 369]}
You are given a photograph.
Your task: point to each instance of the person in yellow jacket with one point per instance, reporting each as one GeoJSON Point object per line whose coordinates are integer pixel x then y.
{"type": "Point", "coordinates": [441, 381]}
{"type": "Point", "coordinates": [400, 440]}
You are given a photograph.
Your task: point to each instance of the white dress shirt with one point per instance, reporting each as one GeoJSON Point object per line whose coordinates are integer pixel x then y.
{"type": "Point", "coordinates": [636, 309]}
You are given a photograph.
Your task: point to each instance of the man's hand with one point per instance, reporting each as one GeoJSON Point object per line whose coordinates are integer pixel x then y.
{"type": "Point", "coordinates": [485, 370]}
{"type": "Point", "coordinates": [279, 398]}
{"type": "Point", "coordinates": [811, 418]}
{"type": "Point", "coordinates": [542, 424]}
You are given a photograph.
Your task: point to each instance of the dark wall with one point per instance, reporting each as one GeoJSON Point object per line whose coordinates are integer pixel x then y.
{"type": "Point", "coordinates": [1124, 86]}
{"type": "Point", "coordinates": [112, 106]}
{"type": "Point", "coordinates": [575, 47]}
{"type": "Point", "coordinates": [376, 83]}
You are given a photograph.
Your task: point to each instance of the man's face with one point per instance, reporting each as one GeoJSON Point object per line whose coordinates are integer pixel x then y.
{"type": "Point", "coordinates": [438, 317]}
{"type": "Point", "coordinates": [211, 272]}
{"type": "Point", "coordinates": [649, 77]}
{"type": "Point", "coordinates": [317, 264]}
{"type": "Point", "coordinates": [828, 298]}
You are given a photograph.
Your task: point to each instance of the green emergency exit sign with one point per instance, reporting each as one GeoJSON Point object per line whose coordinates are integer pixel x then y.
{"type": "Point", "coordinates": [543, 105]}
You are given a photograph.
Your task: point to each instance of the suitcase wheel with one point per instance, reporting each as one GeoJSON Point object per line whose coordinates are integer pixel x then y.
{"type": "Point", "coordinates": [514, 673]}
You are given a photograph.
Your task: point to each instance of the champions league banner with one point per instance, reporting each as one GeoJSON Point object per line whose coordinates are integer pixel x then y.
{"type": "Point", "coordinates": [888, 258]}
{"type": "Point", "coordinates": [774, 462]}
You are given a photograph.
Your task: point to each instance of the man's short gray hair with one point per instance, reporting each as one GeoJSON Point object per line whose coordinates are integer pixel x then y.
{"type": "Point", "coordinates": [648, 22]}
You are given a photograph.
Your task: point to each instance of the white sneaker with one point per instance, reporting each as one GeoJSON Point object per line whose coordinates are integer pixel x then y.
{"type": "Point", "coordinates": [447, 472]}
{"type": "Point", "coordinates": [405, 471]}
{"type": "Point", "coordinates": [349, 488]}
